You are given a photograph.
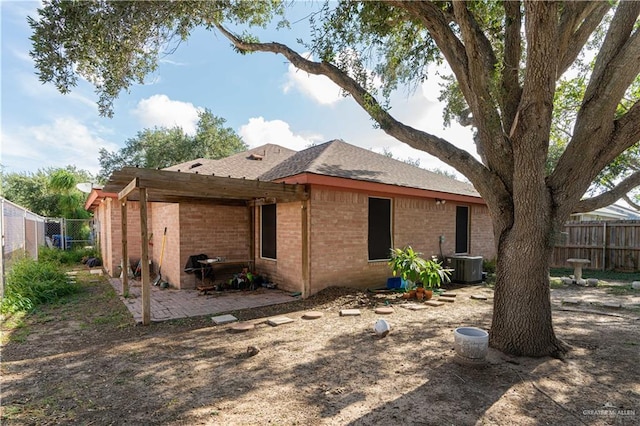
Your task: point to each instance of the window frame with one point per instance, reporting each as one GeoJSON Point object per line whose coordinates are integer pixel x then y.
{"type": "Point", "coordinates": [387, 249]}
{"type": "Point", "coordinates": [275, 232]}
{"type": "Point", "coordinates": [467, 233]}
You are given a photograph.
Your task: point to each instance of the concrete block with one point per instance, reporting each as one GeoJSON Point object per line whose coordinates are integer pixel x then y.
{"type": "Point", "coordinates": [415, 306]}
{"type": "Point", "coordinates": [384, 310]}
{"type": "Point", "coordinates": [276, 321]}
{"type": "Point", "coordinates": [349, 312]}
{"type": "Point", "coordinates": [478, 297]}
{"type": "Point", "coordinates": [223, 319]}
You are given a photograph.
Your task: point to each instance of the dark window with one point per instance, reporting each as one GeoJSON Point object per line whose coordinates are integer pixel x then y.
{"type": "Point", "coordinates": [379, 228]}
{"type": "Point", "coordinates": [268, 231]}
{"type": "Point", "coordinates": [462, 229]}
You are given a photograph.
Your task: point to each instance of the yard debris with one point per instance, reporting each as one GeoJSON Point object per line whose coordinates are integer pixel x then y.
{"type": "Point", "coordinates": [252, 351]}
{"type": "Point", "coordinates": [349, 312]}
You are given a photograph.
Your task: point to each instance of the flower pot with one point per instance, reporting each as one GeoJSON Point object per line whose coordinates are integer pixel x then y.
{"type": "Point", "coordinates": [471, 343]}
{"type": "Point", "coordinates": [412, 294]}
{"type": "Point", "coordinates": [419, 295]}
{"type": "Point", "coordinates": [428, 294]}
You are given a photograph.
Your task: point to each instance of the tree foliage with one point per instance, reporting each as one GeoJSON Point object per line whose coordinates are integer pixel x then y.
{"type": "Point", "coordinates": [48, 192]}
{"type": "Point", "coordinates": [163, 147]}
{"type": "Point", "coordinates": [510, 79]}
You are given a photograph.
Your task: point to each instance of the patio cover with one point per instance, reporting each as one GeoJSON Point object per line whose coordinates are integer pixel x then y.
{"type": "Point", "coordinates": [148, 185]}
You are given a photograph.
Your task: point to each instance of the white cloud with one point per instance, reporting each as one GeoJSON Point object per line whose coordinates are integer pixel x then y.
{"type": "Point", "coordinates": [317, 87]}
{"type": "Point", "coordinates": [160, 111]}
{"type": "Point", "coordinates": [259, 132]}
{"type": "Point", "coordinates": [65, 141]}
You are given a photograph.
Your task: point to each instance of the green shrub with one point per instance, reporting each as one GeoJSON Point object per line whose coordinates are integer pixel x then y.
{"type": "Point", "coordinates": [489, 266]}
{"type": "Point", "coordinates": [30, 283]}
{"type": "Point", "coordinates": [65, 257]}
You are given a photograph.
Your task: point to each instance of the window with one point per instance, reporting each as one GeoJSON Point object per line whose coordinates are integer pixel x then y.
{"type": "Point", "coordinates": [268, 231]}
{"type": "Point", "coordinates": [462, 229]}
{"type": "Point", "coordinates": [379, 228]}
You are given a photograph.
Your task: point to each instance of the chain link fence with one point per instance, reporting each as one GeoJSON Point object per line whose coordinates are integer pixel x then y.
{"type": "Point", "coordinates": [23, 232]}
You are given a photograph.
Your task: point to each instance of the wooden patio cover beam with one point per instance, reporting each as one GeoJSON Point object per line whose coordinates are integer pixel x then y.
{"type": "Point", "coordinates": [170, 186]}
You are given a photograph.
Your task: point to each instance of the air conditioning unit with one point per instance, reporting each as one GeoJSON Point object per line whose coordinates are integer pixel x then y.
{"type": "Point", "coordinates": [466, 269]}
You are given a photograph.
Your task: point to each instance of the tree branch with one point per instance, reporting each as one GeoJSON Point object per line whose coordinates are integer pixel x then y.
{"type": "Point", "coordinates": [609, 197]}
{"type": "Point", "coordinates": [485, 182]}
{"type": "Point", "coordinates": [577, 23]}
{"type": "Point", "coordinates": [469, 63]}
{"type": "Point", "coordinates": [511, 90]}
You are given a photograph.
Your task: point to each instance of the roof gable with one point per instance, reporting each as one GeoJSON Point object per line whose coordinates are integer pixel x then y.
{"type": "Point", "coordinates": [340, 159]}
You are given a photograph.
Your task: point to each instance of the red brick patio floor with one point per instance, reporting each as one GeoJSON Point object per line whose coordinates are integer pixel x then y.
{"type": "Point", "coordinates": [167, 304]}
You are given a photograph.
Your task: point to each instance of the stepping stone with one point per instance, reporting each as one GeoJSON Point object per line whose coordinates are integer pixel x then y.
{"type": "Point", "coordinates": [72, 273]}
{"type": "Point", "coordinates": [448, 294]}
{"type": "Point", "coordinates": [349, 312]}
{"type": "Point", "coordinates": [614, 305]}
{"type": "Point", "coordinates": [276, 321]}
{"type": "Point", "coordinates": [96, 271]}
{"type": "Point", "coordinates": [433, 303]}
{"type": "Point", "coordinates": [571, 301]}
{"type": "Point", "coordinates": [478, 297]}
{"type": "Point", "coordinates": [242, 326]}
{"type": "Point", "coordinates": [311, 315]}
{"type": "Point", "coordinates": [446, 299]}
{"type": "Point", "coordinates": [415, 306]}
{"type": "Point", "coordinates": [223, 319]}
{"type": "Point", "coordinates": [384, 310]}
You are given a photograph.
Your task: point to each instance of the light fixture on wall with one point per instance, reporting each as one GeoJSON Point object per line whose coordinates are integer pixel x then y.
{"type": "Point", "coordinates": [439, 201]}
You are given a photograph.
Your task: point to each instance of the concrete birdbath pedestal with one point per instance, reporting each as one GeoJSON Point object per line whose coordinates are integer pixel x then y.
{"type": "Point", "coordinates": [577, 267]}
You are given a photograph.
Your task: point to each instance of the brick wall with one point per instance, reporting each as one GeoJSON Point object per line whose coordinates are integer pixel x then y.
{"type": "Point", "coordinates": [339, 228]}
{"type": "Point", "coordinates": [210, 229]}
{"type": "Point", "coordinates": [108, 213]}
{"type": "Point", "coordinates": [339, 243]}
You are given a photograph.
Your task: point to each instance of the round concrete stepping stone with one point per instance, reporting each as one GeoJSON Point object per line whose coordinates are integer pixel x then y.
{"type": "Point", "coordinates": [312, 315]}
{"type": "Point", "coordinates": [242, 326]}
{"type": "Point", "coordinates": [384, 310]}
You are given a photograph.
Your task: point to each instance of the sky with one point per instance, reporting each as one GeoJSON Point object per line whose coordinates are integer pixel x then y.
{"type": "Point", "coordinates": [261, 96]}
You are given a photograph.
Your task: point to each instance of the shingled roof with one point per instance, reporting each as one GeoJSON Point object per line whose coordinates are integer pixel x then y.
{"type": "Point", "coordinates": [336, 158]}
{"type": "Point", "coordinates": [340, 159]}
{"type": "Point", "coordinates": [248, 164]}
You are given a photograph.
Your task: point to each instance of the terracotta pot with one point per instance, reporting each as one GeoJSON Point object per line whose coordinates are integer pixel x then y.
{"type": "Point", "coordinates": [405, 295]}
{"type": "Point", "coordinates": [428, 294]}
{"type": "Point", "coordinates": [419, 295]}
{"type": "Point", "coordinates": [412, 294]}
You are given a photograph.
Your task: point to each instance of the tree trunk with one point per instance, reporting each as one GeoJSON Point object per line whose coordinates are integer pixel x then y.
{"type": "Point", "coordinates": [522, 323]}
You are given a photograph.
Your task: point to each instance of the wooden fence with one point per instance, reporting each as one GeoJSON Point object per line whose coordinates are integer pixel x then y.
{"type": "Point", "coordinates": [609, 245]}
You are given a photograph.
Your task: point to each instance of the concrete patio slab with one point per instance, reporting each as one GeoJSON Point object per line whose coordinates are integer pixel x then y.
{"type": "Point", "coordinates": [168, 304]}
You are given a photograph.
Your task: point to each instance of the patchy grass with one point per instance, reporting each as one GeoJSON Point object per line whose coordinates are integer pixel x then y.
{"type": "Point", "coordinates": [594, 273]}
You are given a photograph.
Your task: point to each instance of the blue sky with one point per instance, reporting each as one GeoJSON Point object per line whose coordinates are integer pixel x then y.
{"type": "Point", "coordinates": [262, 97]}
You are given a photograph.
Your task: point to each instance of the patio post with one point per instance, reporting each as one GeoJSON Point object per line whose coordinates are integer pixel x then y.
{"type": "Point", "coordinates": [144, 240]}
{"type": "Point", "coordinates": [125, 252]}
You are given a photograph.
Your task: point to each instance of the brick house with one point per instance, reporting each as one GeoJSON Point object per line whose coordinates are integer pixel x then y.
{"type": "Point", "coordinates": [324, 216]}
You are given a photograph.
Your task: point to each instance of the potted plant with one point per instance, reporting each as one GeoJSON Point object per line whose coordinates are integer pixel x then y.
{"type": "Point", "coordinates": [419, 273]}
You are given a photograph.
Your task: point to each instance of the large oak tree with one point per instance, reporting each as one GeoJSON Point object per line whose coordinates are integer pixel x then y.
{"type": "Point", "coordinates": [507, 60]}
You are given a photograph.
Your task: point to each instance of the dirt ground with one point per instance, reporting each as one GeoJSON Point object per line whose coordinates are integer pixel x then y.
{"type": "Point", "coordinates": [85, 362]}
